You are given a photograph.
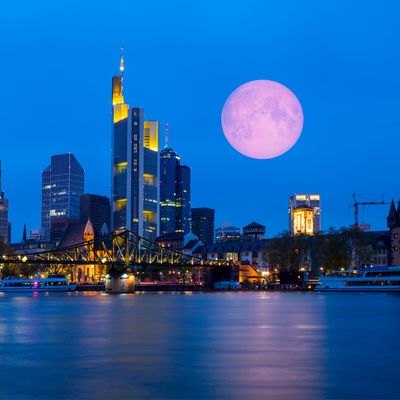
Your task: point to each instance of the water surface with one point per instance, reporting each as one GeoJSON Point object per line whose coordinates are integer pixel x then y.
{"type": "Point", "coordinates": [274, 345]}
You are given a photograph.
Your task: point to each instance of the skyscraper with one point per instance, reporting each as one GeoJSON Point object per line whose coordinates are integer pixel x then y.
{"type": "Point", "coordinates": [297, 201]}
{"type": "Point", "coordinates": [151, 183]}
{"type": "Point", "coordinates": [183, 215]}
{"type": "Point", "coordinates": [135, 167]}
{"type": "Point", "coordinates": [62, 186]}
{"type": "Point", "coordinates": [175, 213]}
{"type": "Point", "coordinates": [4, 225]}
{"type": "Point", "coordinates": [203, 224]}
{"type": "Point", "coordinates": [97, 209]}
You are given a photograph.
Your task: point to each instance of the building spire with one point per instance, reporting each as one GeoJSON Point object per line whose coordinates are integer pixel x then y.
{"type": "Point", "coordinates": [166, 135]}
{"type": "Point", "coordinates": [24, 234]}
{"type": "Point", "coordinates": [121, 63]}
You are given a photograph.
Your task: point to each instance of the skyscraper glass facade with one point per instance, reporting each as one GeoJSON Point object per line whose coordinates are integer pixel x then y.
{"type": "Point", "coordinates": [169, 163]}
{"type": "Point", "coordinates": [203, 224]}
{"type": "Point", "coordinates": [4, 226]}
{"type": "Point", "coordinates": [135, 168]}
{"type": "Point", "coordinates": [175, 213]}
{"type": "Point", "coordinates": [183, 216]}
{"type": "Point", "coordinates": [62, 186]}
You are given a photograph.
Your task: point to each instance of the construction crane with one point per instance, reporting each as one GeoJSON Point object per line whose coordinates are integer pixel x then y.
{"type": "Point", "coordinates": [357, 203]}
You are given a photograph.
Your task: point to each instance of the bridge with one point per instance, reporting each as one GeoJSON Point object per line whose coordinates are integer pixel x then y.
{"type": "Point", "coordinates": [116, 252]}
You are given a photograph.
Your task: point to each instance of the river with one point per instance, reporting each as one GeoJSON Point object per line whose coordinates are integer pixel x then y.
{"type": "Point", "coordinates": [247, 345]}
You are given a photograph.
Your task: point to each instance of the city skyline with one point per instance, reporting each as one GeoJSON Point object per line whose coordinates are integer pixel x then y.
{"type": "Point", "coordinates": [337, 140]}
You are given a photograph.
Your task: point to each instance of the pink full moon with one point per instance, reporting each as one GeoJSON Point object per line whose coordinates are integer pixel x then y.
{"type": "Point", "coordinates": [262, 119]}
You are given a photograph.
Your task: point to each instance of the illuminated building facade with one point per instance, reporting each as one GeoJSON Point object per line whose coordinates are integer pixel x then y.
{"type": "Point", "coordinates": [302, 221]}
{"type": "Point", "coordinates": [175, 215]}
{"type": "Point", "coordinates": [135, 167]}
{"type": "Point", "coordinates": [306, 200]}
{"type": "Point", "coordinates": [203, 220]}
{"type": "Point", "coordinates": [151, 182]}
{"type": "Point", "coordinates": [62, 186]}
{"type": "Point", "coordinates": [4, 225]}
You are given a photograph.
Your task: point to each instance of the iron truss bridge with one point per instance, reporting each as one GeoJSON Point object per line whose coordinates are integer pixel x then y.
{"type": "Point", "coordinates": [115, 250]}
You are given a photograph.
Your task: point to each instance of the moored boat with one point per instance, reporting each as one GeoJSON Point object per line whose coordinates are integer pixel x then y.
{"type": "Point", "coordinates": [371, 279]}
{"type": "Point", "coordinates": [53, 283]}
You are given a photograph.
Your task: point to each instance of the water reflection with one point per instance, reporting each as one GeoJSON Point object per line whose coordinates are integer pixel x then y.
{"type": "Point", "coordinates": [179, 346]}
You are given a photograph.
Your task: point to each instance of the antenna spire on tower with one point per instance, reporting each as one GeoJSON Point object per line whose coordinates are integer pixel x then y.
{"type": "Point", "coordinates": [121, 62]}
{"type": "Point", "coordinates": [166, 135]}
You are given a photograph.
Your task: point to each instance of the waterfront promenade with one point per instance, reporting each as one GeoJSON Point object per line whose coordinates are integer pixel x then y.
{"type": "Point", "coordinates": [277, 345]}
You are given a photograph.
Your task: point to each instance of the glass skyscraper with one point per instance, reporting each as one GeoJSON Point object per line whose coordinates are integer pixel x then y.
{"type": "Point", "coordinates": [62, 186]}
{"type": "Point", "coordinates": [135, 167]}
{"type": "Point", "coordinates": [174, 194]}
{"type": "Point", "coordinates": [4, 227]}
{"type": "Point", "coordinates": [203, 224]}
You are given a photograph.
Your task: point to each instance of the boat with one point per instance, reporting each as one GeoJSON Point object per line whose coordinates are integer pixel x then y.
{"type": "Point", "coordinates": [53, 283]}
{"type": "Point", "coordinates": [371, 279]}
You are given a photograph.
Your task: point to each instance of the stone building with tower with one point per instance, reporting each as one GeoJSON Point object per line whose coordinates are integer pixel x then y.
{"type": "Point", "coordinates": [393, 223]}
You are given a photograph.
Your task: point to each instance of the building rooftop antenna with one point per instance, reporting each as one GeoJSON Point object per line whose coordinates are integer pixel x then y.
{"type": "Point", "coordinates": [121, 63]}
{"type": "Point", "coordinates": [166, 135]}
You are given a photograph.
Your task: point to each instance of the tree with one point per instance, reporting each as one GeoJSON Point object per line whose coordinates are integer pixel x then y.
{"type": "Point", "coordinates": [287, 252]}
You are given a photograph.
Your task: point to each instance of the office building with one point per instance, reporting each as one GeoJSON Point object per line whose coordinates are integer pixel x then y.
{"type": "Point", "coordinates": [151, 183]}
{"type": "Point", "coordinates": [62, 186]}
{"type": "Point", "coordinates": [97, 209]}
{"type": "Point", "coordinates": [203, 224]}
{"type": "Point", "coordinates": [227, 234]}
{"type": "Point", "coordinates": [302, 218]}
{"type": "Point", "coordinates": [305, 200]}
{"type": "Point", "coordinates": [135, 167]}
{"type": "Point", "coordinates": [5, 227]}
{"type": "Point", "coordinates": [175, 213]}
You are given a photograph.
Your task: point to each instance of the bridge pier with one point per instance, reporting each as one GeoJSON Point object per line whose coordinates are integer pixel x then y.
{"type": "Point", "coordinates": [120, 282]}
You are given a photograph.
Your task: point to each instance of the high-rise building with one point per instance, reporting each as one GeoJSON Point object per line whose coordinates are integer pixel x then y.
{"type": "Point", "coordinates": [97, 209]}
{"type": "Point", "coordinates": [4, 225]}
{"type": "Point", "coordinates": [174, 193]}
{"type": "Point", "coordinates": [135, 167]}
{"type": "Point", "coordinates": [183, 216]}
{"type": "Point", "coordinates": [203, 224]}
{"type": "Point", "coordinates": [169, 161]}
{"type": "Point", "coordinates": [303, 221]}
{"type": "Point", "coordinates": [151, 183]}
{"type": "Point", "coordinates": [305, 200]}
{"type": "Point", "coordinates": [62, 186]}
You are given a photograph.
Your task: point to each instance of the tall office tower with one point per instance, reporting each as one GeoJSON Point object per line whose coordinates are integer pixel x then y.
{"type": "Point", "coordinates": [97, 209]}
{"type": "Point", "coordinates": [169, 161]}
{"type": "Point", "coordinates": [313, 201]}
{"type": "Point", "coordinates": [134, 166]}
{"type": "Point", "coordinates": [62, 186]}
{"type": "Point", "coordinates": [203, 224]}
{"type": "Point", "coordinates": [151, 182]}
{"type": "Point", "coordinates": [4, 225]}
{"type": "Point", "coordinates": [183, 215]}
{"type": "Point", "coordinates": [174, 193]}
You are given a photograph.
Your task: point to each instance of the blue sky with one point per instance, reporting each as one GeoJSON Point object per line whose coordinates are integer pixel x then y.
{"type": "Point", "coordinates": [182, 61]}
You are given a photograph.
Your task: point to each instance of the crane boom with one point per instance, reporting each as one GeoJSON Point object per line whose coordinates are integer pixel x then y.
{"type": "Point", "coordinates": [357, 203]}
